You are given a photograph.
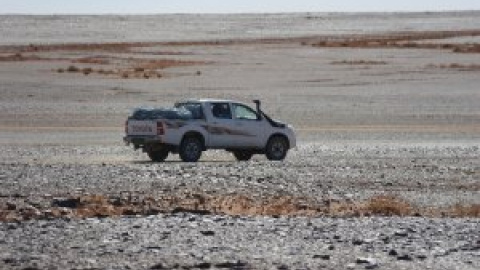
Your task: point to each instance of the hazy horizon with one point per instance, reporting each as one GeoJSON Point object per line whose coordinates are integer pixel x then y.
{"type": "Point", "coordinates": [238, 13]}
{"type": "Point", "coordinates": [121, 7]}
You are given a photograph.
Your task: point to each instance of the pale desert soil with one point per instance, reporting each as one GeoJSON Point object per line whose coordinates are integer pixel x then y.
{"type": "Point", "coordinates": [376, 117]}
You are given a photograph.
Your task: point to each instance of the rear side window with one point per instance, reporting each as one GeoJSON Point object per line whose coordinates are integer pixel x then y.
{"type": "Point", "coordinates": [221, 110]}
{"type": "Point", "coordinates": [195, 108]}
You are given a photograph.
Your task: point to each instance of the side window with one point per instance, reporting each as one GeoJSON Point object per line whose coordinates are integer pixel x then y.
{"type": "Point", "coordinates": [194, 108]}
{"type": "Point", "coordinates": [221, 110]}
{"type": "Point", "coordinates": [244, 113]}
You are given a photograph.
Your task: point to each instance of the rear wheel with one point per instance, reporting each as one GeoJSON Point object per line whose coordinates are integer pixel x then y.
{"type": "Point", "coordinates": [158, 155]}
{"type": "Point", "coordinates": [243, 155]}
{"type": "Point", "coordinates": [191, 149]}
{"type": "Point", "coordinates": [277, 148]}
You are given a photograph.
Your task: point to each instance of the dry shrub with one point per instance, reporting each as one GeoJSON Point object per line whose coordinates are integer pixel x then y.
{"type": "Point", "coordinates": [92, 60]}
{"type": "Point", "coordinates": [17, 57]}
{"type": "Point", "coordinates": [465, 211]}
{"type": "Point", "coordinates": [404, 40]}
{"type": "Point", "coordinates": [163, 64]}
{"type": "Point", "coordinates": [358, 62]}
{"type": "Point", "coordinates": [87, 71]}
{"type": "Point", "coordinates": [73, 69]}
{"type": "Point", "coordinates": [387, 206]}
{"type": "Point", "coordinates": [96, 206]}
{"type": "Point", "coordinates": [92, 199]}
{"type": "Point", "coordinates": [457, 66]}
{"type": "Point", "coordinates": [243, 205]}
{"type": "Point", "coordinates": [234, 204]}
{"type": "Point", "coordinates": [344, 209]}
{"type": "Point", "coordinates": [467, 48]}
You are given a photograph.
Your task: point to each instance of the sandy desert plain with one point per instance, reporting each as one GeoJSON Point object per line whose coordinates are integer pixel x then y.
{"type": "Point", "coordinates": [386, 174]}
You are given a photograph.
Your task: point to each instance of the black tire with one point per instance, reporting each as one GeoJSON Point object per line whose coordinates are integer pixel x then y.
{"type": "Point", "coordinates": [191, 149]}
{"type": "Point", "coordinates": [158, 155]}
{"type": "Point", "coordinates": [243, 155]}
{"type": "Point", "coordinates": [277, 148]}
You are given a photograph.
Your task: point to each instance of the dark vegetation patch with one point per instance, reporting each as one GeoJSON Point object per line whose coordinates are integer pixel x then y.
{"type": "Point", "coordinates": [102, 206]}
{"type": "Point", "coordinates": [456, 66]}
{"type": "Point", "coordinates": [358, 62]}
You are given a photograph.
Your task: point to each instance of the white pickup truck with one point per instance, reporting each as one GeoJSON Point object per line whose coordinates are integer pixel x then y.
{"type": "Point", "coordinates": [214, 124]}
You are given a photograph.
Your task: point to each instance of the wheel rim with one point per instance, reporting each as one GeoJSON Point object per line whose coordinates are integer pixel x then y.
{"type": "Point", "coordinates": [191, 150]}
{"type": "Point", "coordinates": [278, 149]}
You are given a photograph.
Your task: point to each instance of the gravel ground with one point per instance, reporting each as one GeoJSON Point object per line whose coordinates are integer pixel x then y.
{"type": "Point", "coordinates": [185, 241]}
{"type": "Point", "coordinates": [435, 175]}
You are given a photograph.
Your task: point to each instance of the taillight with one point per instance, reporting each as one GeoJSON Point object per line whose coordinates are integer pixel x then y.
{"type": "Point", "coordinates": [160, 128]}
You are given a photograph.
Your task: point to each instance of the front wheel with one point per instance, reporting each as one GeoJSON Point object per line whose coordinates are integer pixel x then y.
{"type": "Point", "coordinates": [191, 149]}
{"type": "Point", "coordinates": [242, 155]}
{"type": "Point", "coordinates": [277, 148]}
{"type": "Point", "coordinates": [158, 155]}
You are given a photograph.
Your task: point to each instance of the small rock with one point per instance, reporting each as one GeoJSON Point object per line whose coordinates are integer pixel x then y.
{"type": "Point", "coordinates": [158, 266]}
{"type": "Point", "coordinates": [393, 252]}
{"type": "Point", "coordinates": [31, 212]}
{"type": "Point", "coordinates": [421, 256]}
{"type": "Point", "coordinates": [232, 265]}
{"type": "Point", "coordinates": [357, 242]}
{"type": "Point", "coordinates": [401, 233]}
{"type": "Point", "coordinates": [11, 206]}
{"type": "Point", "coordinates": [368, 241]}
{"type": "Point", "coordinates": [325, 257]}
{"type": "Point", "coordinates": [66, 202]}
{"type": "Point", "coordinates": [385, 239]}
{"type": "Point", "coordinates": [203, 265]}
{"type": "Point", "coordinates": [65, 211]}
{"type": "Point", "coordinates": [351, 266]}
{"type": "Point", "coordinates": [207, 233]}
{"type": "Point", "coordinates": [405, 257]}
{"type": "Point", "coordinates": [371, 263]}
{"type": "Point", "coordinates": [9, 260]}
{"type": "Point", "coordinates": [363, 260]}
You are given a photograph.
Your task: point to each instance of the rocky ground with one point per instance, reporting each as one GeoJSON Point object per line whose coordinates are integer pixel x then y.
{"type": "Point", "coordinates": [302, 229]}
{"type": "Point", "coordinates": [186, 241]}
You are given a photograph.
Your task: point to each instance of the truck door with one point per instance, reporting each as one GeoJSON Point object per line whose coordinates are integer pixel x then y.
{"type": "Point", "coordinates": [221, 127]}
{"type": "Point", "coordinates": [250, 123]}
{"type": "Point", "coordinates": [224, 130]}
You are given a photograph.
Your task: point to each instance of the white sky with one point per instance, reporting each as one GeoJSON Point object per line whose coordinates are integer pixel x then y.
{"type": "Point", "coordinates": [226, 6]}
